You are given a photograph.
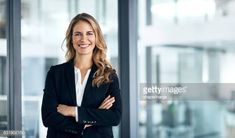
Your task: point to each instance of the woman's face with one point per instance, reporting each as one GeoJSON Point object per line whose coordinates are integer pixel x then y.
{"type": "Point", "coordinates": [83, 38]}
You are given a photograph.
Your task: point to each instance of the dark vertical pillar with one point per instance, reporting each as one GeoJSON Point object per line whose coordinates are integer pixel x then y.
{"type": "Point", "coordinates": [14, 64]}
{"type": "Point", "coordinates": [127, 25]}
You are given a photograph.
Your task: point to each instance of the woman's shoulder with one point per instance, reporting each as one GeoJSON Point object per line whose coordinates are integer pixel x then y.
{"type": "Point", "coordinates": [61, 66]}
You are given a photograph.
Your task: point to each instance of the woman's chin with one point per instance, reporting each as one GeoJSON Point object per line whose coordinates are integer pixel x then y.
{"type": "Point", "coordinates": [85, 53]}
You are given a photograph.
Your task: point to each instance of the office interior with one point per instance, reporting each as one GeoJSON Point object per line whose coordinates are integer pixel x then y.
{"type": "Point", "coordinates": [178, 41]}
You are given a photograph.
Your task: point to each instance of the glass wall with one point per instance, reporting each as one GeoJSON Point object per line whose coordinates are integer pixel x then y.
{"type": "Point", "coordinates": [190, 42]}
{"type": "Point", "coordinates": [3, 67]}
{"type": "Point", "coordinates": [44, 24]}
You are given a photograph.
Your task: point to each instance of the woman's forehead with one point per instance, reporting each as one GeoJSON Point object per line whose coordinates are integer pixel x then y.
{"type": "Point", "coordinates": [83, 25]}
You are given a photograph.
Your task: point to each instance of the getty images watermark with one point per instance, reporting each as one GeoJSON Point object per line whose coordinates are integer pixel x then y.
{"type": "Point", "coordinates": [163, 92]}
{"type": "Point", "coordinates": [187, 91]}
{"type": "Point", "coordinates": [6, 133]}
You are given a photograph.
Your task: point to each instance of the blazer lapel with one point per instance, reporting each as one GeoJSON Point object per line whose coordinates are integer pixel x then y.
{"type": "Point", "coordinates": [89, 88]}
{"type": "Point", "coordinates": [70, 79]}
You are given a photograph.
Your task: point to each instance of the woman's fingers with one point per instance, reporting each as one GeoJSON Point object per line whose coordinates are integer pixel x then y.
{"type": "Point", "coordinates": [108, 106]}
{"type": "Point", "coordinates": [107, 100]}
{"type": "Point", "coordinates": [107, 103]}
{"type": "Point", "coordinates": [108, 97]}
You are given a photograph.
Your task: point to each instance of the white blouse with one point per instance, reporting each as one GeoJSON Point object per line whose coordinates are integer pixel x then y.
{"type": "Point", "coordinates": [80, 86]}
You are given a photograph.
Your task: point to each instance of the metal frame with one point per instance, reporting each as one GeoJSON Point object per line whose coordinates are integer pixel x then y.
{"type": "Point", "coordinates": [149, 121]}
{"type": "Point", "coordinates": [127, 21]}
{"type": "Point", "coordinates": [14, 64]}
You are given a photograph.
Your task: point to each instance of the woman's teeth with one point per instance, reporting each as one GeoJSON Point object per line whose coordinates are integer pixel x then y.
{"type": "Point", "coordinates": [83, 46]}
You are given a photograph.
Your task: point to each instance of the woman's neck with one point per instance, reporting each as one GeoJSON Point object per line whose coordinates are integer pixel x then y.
{"type": "Point", "coordinates": [83, 62]}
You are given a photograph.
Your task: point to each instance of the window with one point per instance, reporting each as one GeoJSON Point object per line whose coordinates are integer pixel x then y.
{"type": "Point", "coordinates": [188, 41]}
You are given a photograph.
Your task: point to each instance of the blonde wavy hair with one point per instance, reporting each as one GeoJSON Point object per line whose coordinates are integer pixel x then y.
{"type": "Point", "coordinates": [104, 68]}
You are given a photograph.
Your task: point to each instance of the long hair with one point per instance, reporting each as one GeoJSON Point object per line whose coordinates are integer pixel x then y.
{"type": "Point", "coordinates": [104, 68]}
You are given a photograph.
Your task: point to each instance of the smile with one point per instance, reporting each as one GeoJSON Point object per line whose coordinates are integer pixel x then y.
{"type": "Point", "coordinates": [84, 45]}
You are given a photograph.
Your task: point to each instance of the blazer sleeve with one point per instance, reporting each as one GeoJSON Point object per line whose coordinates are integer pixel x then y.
{"type": "Point", "coordinates": [50, 116]}
{"type": "Point", "coordinates": [104, 117]}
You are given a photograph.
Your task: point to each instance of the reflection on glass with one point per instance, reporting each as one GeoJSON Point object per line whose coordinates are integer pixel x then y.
{"type": "Point", "coordinates": [180, 47]}
{"type": "Point", "coordinates": [3, 65]}
{"type": "Point", "coordinates": [43, 30]}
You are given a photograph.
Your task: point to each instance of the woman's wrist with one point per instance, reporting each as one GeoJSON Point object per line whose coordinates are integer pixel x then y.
{"type": "Point", "coordinates": [73, 111]}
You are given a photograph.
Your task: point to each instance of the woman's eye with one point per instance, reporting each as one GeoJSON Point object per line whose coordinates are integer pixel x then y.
{"type": "Point", "coordinates": [77, 34]}
{"type": "Point", "coordinates": [89, 33]}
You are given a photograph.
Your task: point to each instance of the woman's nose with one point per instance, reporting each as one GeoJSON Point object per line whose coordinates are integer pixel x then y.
{"type": "Point", "coordinates": [83, 37]}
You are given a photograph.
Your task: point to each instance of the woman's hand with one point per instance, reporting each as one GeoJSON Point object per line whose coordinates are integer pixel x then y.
{"type": "Point", "coordinates": [66, 110]}
{"type": "Point", "coordinates": [106, 104]}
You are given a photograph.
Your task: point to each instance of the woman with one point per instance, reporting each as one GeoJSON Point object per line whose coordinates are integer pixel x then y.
{"type": "Point", "coordinates": [82, 96]}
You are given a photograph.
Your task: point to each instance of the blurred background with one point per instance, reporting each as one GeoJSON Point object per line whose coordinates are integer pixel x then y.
{"type": "Point", "coordinates": [179, 41]}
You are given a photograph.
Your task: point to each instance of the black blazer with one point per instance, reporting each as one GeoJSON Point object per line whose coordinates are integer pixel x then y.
{"type": "Point", "coordinates": [60, 89]}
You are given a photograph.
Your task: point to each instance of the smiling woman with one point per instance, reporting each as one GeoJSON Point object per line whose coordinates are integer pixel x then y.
{"type": "Point", "coordinates": [43, 28]}
{"type": "Point", "coordinates": [82, 96]}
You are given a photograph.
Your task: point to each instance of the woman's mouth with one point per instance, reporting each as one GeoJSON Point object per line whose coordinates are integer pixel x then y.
{"type": "Point", "coordinates": [84, 45]}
